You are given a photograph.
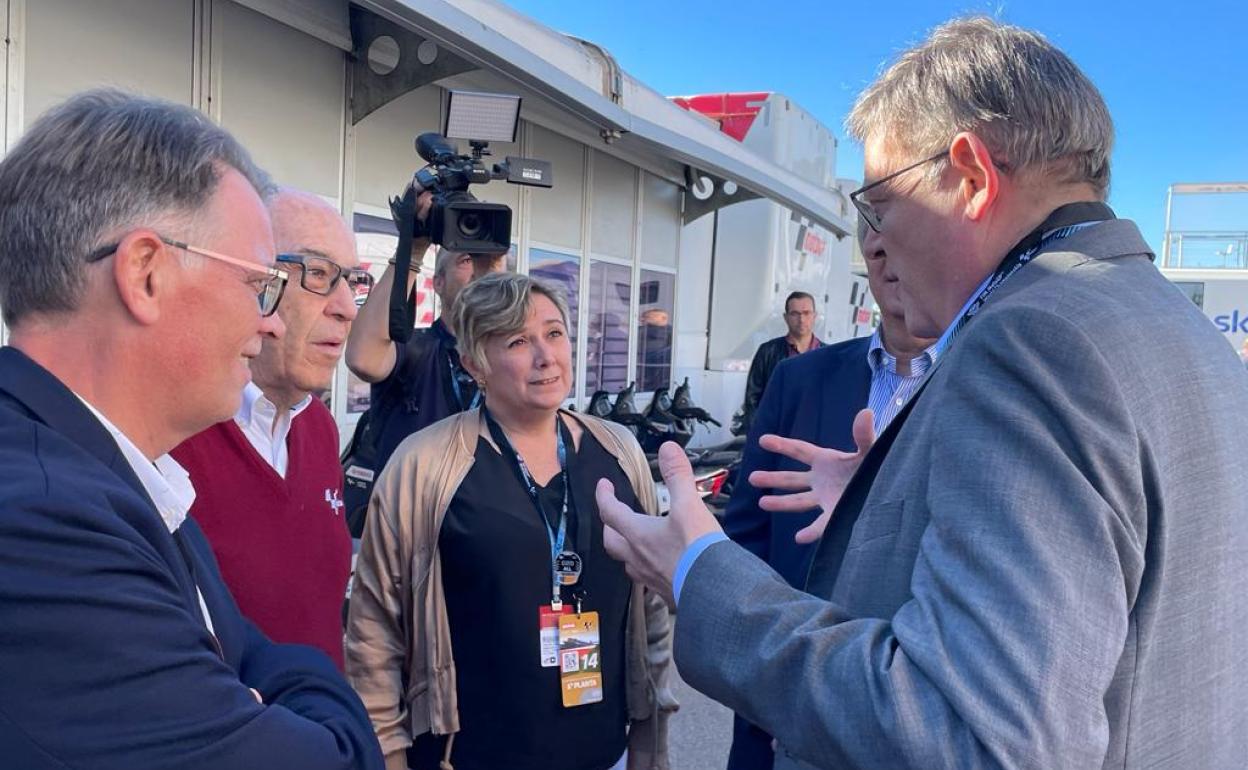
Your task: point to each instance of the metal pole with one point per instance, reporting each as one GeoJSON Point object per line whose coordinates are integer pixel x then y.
{"type": "Point", "coordinates": [1165, 239]}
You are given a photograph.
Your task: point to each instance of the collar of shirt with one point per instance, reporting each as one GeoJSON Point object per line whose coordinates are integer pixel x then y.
{"type": "Point", "coordinates": [879, 358]}
{"type": "Point", "coordinates": [1047, 238]}
{"type": "Point", "coordinates": [793, 351]}
{"type": "Point", "coordinates": [264, 428]}
{"type": "Point", "coordinates": [167, 483]}
{"type": "Point", "coordinates": [443, 333]}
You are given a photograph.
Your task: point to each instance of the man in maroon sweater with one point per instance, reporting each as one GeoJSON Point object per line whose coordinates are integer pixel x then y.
{"type": "Point", "coordinates": [268, 482]}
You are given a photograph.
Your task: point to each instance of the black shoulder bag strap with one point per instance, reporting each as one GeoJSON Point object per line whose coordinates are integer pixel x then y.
{"type": "Point", "coordinates": [403, 305]}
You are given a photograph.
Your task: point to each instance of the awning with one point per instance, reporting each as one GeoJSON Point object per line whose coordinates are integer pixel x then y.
{"type": "Point", "coordinates": [584, 81]}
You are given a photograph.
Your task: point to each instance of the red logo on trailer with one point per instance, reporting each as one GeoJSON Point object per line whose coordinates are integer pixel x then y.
{"type": "Point", "coordinates": [813, 244]}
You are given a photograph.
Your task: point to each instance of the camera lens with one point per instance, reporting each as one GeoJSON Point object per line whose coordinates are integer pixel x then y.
{"type": "Point", "coordinates": [470, 225]}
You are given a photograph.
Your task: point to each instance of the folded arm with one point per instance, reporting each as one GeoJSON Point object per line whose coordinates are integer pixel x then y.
{"type": "Point", "coordinates": [107, 667]}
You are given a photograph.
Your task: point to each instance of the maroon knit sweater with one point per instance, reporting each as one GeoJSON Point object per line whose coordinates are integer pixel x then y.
{"type": "Point", "coordinates": [283, 546]}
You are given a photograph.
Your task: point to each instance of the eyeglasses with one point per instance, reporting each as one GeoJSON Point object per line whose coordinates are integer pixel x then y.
{"type": "Point", "coordinates": [268, 282]}
{"type": "Point", "coordinates": [320, 275]}
{"type": "Point", "coordinates": [868, 212]}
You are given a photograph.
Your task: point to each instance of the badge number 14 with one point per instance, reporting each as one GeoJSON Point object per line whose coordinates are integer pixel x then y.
{"type": "Point", "coordinates": [580, 670]}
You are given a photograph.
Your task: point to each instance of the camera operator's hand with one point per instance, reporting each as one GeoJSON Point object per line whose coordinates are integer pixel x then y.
{"type": "Point", "coordinates": [424, 202]}
{"type": "Point", "coordinates": [370, 353]}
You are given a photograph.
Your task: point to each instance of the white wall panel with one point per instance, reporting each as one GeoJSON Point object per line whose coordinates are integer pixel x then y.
{"type": "Point", "coordinates": [385, 145]}
{"type": "Point", "coordinates": [556, 215]}
{"type": "Point", "coordinates": [326, 20]}
{"type": "Point", "coordinates": [281, 92]}
{"type": "Point", "coordinates": [660, 221]}
{"type": "Point", "coordinates": [613, 212]}
{"type": "Point", "coordinates": [140, 45]}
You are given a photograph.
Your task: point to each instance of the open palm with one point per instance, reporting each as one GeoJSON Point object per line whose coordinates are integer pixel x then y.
{"type": "Point", "coordinates": [819, 487]}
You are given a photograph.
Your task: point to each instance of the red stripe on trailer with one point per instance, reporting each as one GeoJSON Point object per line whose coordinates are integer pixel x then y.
{"type": "Point", "coordinates": [735, 113]}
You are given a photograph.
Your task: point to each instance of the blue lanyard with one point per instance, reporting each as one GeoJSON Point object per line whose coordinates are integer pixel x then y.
{"type": "Point", "coordinates": [556, 536]}
{"type": "Point", "coordinates": [1061, 223]}
{"type": "Point", "coordinates": [457, 388]}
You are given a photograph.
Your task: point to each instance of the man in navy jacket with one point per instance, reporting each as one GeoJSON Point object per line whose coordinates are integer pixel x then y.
{"type": "Point", "coordinates": [135, 271]}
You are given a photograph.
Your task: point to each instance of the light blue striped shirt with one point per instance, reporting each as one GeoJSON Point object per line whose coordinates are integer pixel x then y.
{"type": "Point", "coordinates": [889, 390]}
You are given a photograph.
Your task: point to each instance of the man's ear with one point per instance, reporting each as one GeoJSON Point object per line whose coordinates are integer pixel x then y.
{"type": "Point", "coordinates": [142, 272]}
{"type": "Point", "coordinates": [980, 181]}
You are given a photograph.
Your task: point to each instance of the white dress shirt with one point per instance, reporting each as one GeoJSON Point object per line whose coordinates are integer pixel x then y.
{"type": "Point", "coordinates": [264, 428]}
{"type": "Point", "coordinates": [167, 484]}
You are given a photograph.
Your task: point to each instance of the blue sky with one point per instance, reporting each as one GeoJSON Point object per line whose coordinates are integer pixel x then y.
{"type": "Point", "coordinates": [1175, 74]}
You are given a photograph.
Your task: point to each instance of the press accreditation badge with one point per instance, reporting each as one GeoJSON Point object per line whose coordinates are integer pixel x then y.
{"type": "Point", "coordinates": [580, 659]}
{"type": "Point", "coordinates": [548, 633]}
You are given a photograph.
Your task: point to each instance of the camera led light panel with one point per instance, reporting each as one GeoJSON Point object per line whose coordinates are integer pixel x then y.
{"type": "Point", "coordinates": [483, 117]}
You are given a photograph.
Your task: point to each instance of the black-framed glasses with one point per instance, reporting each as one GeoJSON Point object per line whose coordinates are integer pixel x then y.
{"type": "Point", "coordinates": [268, 282]}
{"type": "Point", "coordinates": [868, 212]}
{"type": "Point", "coordinates": [320, 275]}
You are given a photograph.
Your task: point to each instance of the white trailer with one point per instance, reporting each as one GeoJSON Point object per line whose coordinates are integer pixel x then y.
{"type": "Point", "coordinates": [752, 254]}
{"type": "Point", "coordinates": [1221, 293]}
{"type": "Point", "coordinates": [329, 94]}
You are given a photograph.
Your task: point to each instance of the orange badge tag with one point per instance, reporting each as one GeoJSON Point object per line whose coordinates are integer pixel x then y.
{"type": "Point", "coordinates": [580, 659]}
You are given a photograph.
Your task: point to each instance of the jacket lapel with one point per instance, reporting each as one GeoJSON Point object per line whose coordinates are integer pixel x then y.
{"type": "Point", "coordinates": [847, 383]}
{"type": "Point", "coordinates": [48, 400]}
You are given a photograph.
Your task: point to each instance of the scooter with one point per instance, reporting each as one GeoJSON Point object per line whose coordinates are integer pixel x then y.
{"type": "Point", "coordinates": [661, 423]}
{"type": "Point", "coordinates": [666, 425]}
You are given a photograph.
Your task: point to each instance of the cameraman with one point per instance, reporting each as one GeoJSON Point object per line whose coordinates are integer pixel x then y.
{"type": "Point", "coordinates": [419, 382]}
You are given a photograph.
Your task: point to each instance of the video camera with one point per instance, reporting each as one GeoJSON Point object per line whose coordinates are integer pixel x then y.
{"type": "Point", "coordinates": [457, 220]}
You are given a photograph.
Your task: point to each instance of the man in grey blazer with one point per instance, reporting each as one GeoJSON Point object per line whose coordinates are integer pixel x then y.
{"type": "Point", "coordinates": [1040, 563]}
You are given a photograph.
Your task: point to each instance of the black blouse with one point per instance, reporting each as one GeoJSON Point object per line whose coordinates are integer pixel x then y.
{"type": "Point", "coordinates": [496, 575]}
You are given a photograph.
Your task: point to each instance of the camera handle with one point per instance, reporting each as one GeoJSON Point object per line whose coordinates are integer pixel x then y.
{"type": "Point", "coordinates": [402, 304]}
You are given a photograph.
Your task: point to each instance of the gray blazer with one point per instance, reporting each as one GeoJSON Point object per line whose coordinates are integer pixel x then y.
{"type": "Point", "coordinates": [1048, 570]}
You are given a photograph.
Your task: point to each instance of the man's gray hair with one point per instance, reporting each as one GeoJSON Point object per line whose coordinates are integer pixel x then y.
{"type": "Point", "coordinates": [497, 304]}
{"type": "Point", "coordinates": [444, 260]}
{"type": "Point", "coordinates": [1027, 101]}
{"type": "Point", "coordinates": [90, 168]}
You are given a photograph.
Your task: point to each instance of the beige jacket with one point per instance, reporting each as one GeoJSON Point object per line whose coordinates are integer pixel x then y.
{"type": "Point", "coordinates": [398, 646]}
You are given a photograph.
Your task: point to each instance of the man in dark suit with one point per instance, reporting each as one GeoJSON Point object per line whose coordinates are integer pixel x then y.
{"type": "Point", "coordinates": [137, 278]}
{"type": "Point", "coordinates": [814, 398]}
{"type": "Point", "coordinates": [1040, 561]}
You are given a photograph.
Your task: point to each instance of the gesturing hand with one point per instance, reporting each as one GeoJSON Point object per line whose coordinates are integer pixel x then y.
{"type": "Point", "coordinates": [650, 547]}
{"type": "Point", "coordinates": [822, 485]}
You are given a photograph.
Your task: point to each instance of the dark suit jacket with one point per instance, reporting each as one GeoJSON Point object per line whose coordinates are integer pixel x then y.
{"type": "Point", "coordinates": [813, 397]}
{"type": "Point", "coordinates": [1046, 567]}
{"type": "Point", "coordinates": [105, 661]}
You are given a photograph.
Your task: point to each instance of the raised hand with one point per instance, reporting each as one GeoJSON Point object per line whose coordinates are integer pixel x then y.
{"type": "Point", "coordinates": [819, 487]}
{"type": "Point", "coordinates": [650, 546]}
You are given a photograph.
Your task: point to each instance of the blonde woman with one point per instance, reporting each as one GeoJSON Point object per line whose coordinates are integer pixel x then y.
{"type": "Point", "coordinates": [482, 583]}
